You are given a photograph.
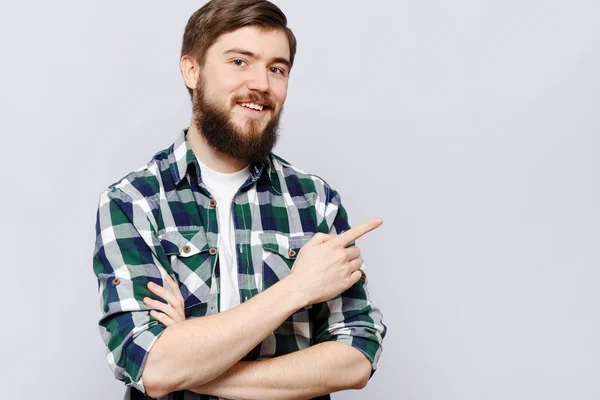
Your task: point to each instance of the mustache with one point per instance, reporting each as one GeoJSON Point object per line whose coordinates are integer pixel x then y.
{"type": "Point", "coordinates": [254, 98]}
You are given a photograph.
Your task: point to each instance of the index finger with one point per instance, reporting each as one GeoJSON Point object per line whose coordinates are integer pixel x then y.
{"type": "Point", "coordinates": [344, 239]}
{"type": "Point", "coordinates": [173, 285]}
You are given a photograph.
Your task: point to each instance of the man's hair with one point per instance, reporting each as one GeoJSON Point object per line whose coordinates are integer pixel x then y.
{"type": "Point", "coordinates": [223, 16]}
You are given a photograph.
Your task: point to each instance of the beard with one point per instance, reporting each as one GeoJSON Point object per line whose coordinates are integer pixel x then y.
{"type": "Point", "coordinates": [215, 125]}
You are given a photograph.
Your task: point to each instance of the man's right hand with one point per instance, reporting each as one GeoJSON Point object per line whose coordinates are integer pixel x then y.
{"type": "Point", "coordinates": [325, 266]}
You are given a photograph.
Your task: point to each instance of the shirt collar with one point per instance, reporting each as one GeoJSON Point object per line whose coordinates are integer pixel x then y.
{"type": "Point", "coordinates": [181, 156]}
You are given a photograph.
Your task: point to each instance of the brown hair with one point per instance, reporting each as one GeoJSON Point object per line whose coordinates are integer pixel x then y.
{"type": "Point", "coordinates": [222, 16]}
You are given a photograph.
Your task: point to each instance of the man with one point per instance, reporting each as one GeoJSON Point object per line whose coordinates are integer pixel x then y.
{"type": "Point", "coordinates": [223, 270]}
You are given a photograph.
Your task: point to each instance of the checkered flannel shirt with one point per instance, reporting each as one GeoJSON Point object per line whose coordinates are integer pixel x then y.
{"type": "Point", "coordinates": [160, 220]}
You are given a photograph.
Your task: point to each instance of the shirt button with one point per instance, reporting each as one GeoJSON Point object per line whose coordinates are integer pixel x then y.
{"type": "Point", "coordinates": [292, 253]}
{"type": "Point", "coordinates": [186, 249]}
{"type": "Point", "coordinates": [212, 251]}
{"type": "Point", "coordinates": [212, 203]}
{"type": "Point", "coordinates": [116, 281]}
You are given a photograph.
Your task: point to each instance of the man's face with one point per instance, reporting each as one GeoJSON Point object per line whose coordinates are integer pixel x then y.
{"type": "Point", "coordinates": [241, 90]}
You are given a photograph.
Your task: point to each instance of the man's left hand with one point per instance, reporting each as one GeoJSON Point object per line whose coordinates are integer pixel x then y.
{"type": "Point", "coordinates": [174, 309]}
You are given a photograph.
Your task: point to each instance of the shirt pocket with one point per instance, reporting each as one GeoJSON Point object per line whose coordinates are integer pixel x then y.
{"type": "Point", "coordinates": [279, 253]}
{"type": "Point", "coordinates": [192, 263]}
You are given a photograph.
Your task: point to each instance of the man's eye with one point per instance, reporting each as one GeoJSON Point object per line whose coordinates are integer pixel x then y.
{"type": "Point", "coordinates": [277, 70]}
{"type": "Point", "coordinates": [238, 62]}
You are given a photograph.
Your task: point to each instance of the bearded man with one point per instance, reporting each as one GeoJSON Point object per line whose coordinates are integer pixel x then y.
{"type": "Point", "coordinates": [224, 271]}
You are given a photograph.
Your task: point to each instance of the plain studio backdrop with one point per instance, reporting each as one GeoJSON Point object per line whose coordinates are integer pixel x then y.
{"type": "Point", "coordinates": [470, 127]}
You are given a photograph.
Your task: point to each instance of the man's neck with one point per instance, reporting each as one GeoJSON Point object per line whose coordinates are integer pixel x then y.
{"type": "Point", "coordinates": [210, 157]}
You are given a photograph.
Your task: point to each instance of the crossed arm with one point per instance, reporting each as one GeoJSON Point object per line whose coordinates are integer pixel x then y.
{"type": "Point", "coordinates": [320, 369]}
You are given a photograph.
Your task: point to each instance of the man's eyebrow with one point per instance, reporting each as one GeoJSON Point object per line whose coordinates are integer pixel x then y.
{"type": "Point", "coordinates": [280, 60]}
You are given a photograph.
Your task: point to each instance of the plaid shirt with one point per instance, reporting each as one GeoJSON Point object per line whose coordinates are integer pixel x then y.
{"type": "Point", "coordinates": [161, 219]}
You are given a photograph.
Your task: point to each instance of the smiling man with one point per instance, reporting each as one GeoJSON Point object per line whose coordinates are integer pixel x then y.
{"type": "Point", "coordinates": [224, 271]}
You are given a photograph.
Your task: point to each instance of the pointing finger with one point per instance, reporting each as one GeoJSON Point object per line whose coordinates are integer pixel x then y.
{"type": "Point", "coordinates": [344, 239]}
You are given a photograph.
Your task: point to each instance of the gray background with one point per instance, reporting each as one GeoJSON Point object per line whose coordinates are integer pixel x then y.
{"type": "Point", "coordinates": [470, 127]}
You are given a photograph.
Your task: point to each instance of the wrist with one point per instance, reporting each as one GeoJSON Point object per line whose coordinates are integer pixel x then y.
{"type": "Point", "coordinates": [291, 292]}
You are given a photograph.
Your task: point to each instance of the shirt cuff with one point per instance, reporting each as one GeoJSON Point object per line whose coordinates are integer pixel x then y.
{"type": "Point", "coordinates": [370, 348]}
{"type": "Point", "coordinates": [136, 354]}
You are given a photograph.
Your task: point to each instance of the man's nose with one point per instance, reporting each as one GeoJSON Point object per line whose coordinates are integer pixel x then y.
{"type": "Point", "coordinates": [259, 80]}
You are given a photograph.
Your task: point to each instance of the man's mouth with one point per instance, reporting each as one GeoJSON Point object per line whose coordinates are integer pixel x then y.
{"type": "Point", "coordinates": [254, 106]}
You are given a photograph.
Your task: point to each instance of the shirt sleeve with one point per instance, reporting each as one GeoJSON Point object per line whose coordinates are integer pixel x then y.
{"type": "Point", "coordinates": [127, 255]}
{"type": "Point", "coordinates": [351, 317]}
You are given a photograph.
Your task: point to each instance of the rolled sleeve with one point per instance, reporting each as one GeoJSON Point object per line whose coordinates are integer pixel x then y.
{"type": "Point", "coordinates": [351, 317]}
{"type": "Point", "coordinates": [354, 321]}
{"type": "Point", "coordinates": [127, 256]}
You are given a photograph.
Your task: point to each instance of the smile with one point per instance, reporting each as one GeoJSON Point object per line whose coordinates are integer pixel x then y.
{"type": "Point", "coordinates": [254, 106]}
{"type": "Point", "coordinates": [254, 110]}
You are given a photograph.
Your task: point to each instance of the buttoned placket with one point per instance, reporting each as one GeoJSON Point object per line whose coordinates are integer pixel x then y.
{"type": "Point", "coordinates": [249, 182]}
{"type": "Point", "coordinates": [212, 203]}
{"type": "Point", "coordinates": [213, 251]}
{"type": "Point", "coordinates": [214, 215]}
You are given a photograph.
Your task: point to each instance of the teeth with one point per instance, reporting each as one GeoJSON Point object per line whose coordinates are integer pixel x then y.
{"type": "Point", "coordinates": [253, 106]}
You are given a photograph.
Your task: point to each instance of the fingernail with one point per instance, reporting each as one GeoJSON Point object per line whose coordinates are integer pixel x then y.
{"type": "Point", "coordinates": [151, 284]}
{"type": "Point", "coordinates": [378, 221]}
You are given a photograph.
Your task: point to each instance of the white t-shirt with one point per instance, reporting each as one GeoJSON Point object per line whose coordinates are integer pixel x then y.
{"type": "Point", "coordinates": [223, 187]}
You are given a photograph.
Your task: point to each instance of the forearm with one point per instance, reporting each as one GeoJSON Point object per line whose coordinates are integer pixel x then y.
{"type": "Point", "coordinates": [320, 369]}
{"type": "Point", "coordinates": [195, 351]}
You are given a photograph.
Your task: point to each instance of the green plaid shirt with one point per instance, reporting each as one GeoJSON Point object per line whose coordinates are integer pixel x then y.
{"type": "Point", "coordinates": [161, 219]}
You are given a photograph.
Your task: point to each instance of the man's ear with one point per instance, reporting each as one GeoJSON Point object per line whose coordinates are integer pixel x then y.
{"type": "Point", "coordinates": [190, 71]}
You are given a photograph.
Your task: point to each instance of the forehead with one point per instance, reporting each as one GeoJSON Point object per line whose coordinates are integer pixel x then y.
{"type": "Point", "coordinates": [267, 44]}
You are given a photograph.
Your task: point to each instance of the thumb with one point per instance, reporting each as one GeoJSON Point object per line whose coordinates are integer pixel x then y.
{"type": "Point", "coordinates": [319, 238]}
